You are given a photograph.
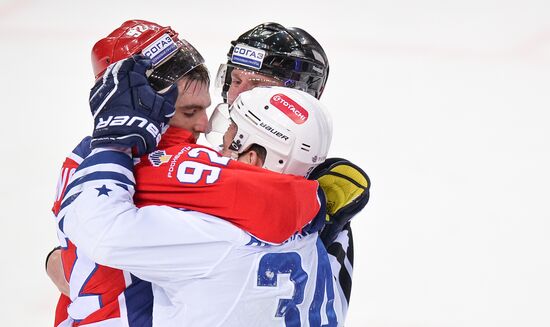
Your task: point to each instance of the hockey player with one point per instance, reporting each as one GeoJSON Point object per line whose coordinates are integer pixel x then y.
{"type": "Point", "coordinates": [105, 296]}
{"type": "Point", "coordinates": [205, 271]}
{"type": "Point", "coordinates": [171, 138]}
{"type": "Point", "coordinates": [270, 54]}
{"type": "Point", "coordinates": [100, 295]}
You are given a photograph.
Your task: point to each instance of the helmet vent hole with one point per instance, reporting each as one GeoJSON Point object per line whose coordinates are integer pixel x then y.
{"type": "Point", "coordinates": [266, 107]}
{"type": "Point", "coordinates": [281, 161]}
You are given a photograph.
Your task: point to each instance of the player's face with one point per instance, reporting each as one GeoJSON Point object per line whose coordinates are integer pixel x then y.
{"type": "Point", "coordinates": [244, 80]}
{"type": "Point", "coordinates": [193, 99]}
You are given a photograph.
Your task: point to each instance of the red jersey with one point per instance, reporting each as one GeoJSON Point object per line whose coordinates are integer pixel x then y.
{"type": "Point", "coordinates": [270, 206]}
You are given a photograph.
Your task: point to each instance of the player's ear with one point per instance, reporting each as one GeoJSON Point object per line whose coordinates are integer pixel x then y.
{"type": "Point", "coordinates": [251, 157]}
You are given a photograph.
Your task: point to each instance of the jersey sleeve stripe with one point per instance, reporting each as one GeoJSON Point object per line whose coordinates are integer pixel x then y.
{"type": "Point", "coordinates": [111, 157]}
{"type": "Point", "coordinates": [104, 164]}
{"type": "Point", "coordinates": [82, 150]}
{"type": "Point", "coordinates": [105, 176]}
{"type": "Point", "coordinates": [68, 201]}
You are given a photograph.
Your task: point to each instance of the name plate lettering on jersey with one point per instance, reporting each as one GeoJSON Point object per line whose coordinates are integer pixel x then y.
{"type": "Point", "coordinates": [160, 49]}
{"type": "Point", "coordinates": [290, 108]}
{"type": "Point", "coordinates": [248, 56]}
{"type": "Point", "coordinates": [175, 160]}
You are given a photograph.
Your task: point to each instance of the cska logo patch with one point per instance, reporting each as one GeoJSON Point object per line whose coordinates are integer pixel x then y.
{"type": "Point", "coordinates": [290, 108]}
{"type": "Point", "coordinates": [159, 157]}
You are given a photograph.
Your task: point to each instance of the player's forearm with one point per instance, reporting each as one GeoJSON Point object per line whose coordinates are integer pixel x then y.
{"type": "Point", "coordinates": [151, 242]}
{"type": "Point", "coordinates": [100, 227]}
{"type": "Point", "coordinates": [155, 243]}
{"type": "Point", "coordinates": [101, 188]}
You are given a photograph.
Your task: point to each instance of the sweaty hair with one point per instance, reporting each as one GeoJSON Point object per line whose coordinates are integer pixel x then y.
{"type": "Point", "coordinates": [198, 74]}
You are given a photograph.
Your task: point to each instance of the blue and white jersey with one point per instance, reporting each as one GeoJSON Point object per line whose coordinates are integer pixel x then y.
{"type": "Point", "coordinates": [204, 270]}
{"type": "Point", "coordinates": [99, 296]}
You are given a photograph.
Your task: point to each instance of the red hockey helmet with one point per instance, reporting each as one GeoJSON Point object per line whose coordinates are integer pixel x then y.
{"type": "Point", "coordinates": [172, 57]}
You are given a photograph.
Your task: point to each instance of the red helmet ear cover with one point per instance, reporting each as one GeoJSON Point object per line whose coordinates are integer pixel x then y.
{"type": "Point", "coordinates": [129, 39]}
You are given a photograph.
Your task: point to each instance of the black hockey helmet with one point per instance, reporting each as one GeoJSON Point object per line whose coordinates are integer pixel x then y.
{"type": "Point", "coordinates": [290, 54]}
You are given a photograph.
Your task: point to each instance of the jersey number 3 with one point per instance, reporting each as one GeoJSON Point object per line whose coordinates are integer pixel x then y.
{"type": "Point", "coordinates": [273, 264]}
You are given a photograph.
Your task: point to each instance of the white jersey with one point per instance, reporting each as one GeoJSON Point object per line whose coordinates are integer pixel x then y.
{"type": "Point", "coordinates": [204, 270]}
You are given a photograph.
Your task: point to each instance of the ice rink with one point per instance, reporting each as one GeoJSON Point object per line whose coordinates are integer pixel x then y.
{"type": "Point", "coordinates": [445, 104]}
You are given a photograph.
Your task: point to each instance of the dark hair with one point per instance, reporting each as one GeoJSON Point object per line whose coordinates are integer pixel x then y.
{"type": "Point", "coordinates": [198, 74]}
{"type": "Point", "coordinates": [260, 150]}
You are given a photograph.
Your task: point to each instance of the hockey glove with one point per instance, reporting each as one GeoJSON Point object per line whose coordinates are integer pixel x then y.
{"type": "Point", "coordinates": [319, 221]}
{"type": "Point", "coordinates": [346, 188]}
{"type": "Point", "coordinates": [127, 111]}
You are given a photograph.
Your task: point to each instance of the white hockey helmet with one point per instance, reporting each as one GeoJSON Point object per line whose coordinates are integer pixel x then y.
{"type": "Point", "coordinates": [292, 125]}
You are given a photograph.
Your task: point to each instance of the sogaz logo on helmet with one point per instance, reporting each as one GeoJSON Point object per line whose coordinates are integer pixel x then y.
{"type": "Point", "coordinates": [247, 56]}
{"type": "Point", "coordinates": [160, 49]}
{"type": "Point", "coordinates": [290, 108]}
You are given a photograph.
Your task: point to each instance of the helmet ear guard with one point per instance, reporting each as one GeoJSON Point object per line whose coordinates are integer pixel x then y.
{"type": "Point", "coordinates": [217, 125]}
{"type": "Point", "coordinates": [294, 128]}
